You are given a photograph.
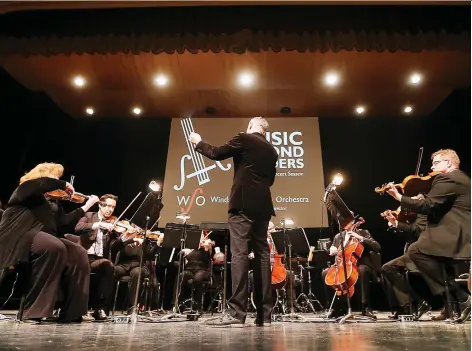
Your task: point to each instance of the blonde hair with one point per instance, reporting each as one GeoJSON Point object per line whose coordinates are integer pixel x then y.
{"type": "Point", "coordinates": [46, 169]}
{"type": "Point", "coordinates": [261, 123]}
{"type": "Point", "coordinates": [448, 154]}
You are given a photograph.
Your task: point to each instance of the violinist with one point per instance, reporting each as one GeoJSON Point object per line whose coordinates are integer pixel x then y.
{"type": "Point", "coordinates": [28, 234]}
{"type": "Point", "coordinates": [130, 248]}
{"type": "Point", "coordinates": [96, 233]}
{"type": "Point", "coordinates": [447, 232]}
{"type": "Point", "coordinates": [398, 291]}
{"type": "Point", "coordinates": [368, 265]}
{"type": "Point", "coordinates": [198, 268]}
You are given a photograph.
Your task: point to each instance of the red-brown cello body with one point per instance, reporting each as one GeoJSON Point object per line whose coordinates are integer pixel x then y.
{"type": "Point", "coordinates": [279, 273]}
{"type": "Point", "coordinates": [340, 279]}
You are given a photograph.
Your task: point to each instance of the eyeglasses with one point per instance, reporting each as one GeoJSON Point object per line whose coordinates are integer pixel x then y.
{"type": "Point", "coordinates": [438, 162]}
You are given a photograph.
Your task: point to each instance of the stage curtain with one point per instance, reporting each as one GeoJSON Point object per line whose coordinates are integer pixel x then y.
{"type": "Point", "coordinates": [236, 29]}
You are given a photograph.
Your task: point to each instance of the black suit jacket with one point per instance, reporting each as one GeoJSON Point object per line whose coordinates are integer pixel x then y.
{"type": "Point", "coordinates": [372, 248]}
{"type": "Point", "coordinates": [447, 206]}
{"type": "Point", "coordinates": [413, 230]}
{"type": "Point", "coordinates": [254, 172]}
{"type": "Point", "coordinates": [88, 235]}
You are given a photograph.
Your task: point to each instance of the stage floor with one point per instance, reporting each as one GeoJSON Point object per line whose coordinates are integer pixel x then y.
{"type": "Point", "coordinates": [176, 336]}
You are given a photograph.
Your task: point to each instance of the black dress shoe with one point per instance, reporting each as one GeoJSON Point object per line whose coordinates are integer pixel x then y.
{"type": "Point", "coordinates": [464, 312]}
{"type": "Point", "coordinates": [99, 315]}
{"type": "Point", "coordinates": [367, 312]}
{"type": "Point", "coordinates": [424, 308]}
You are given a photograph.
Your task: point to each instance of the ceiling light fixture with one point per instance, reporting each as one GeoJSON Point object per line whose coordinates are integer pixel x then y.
{"type": "Point", "coordinates": [246, 79]}
{"type": "Point", "coordinates": [415, 78]}
{"type": "Point", "coordinates": [161, 80]}
{"type": "Point", "coordinates": [360, 110]}
{"type": "Point", "coordinates": [331, 79]}
{"type": "Point", "coordinates": [408, 109]}
{"type": "Point", "coordinates": [89, 111]}
{"type": "Point", "coordinates": [79, 81]}
{"type": "Point", "coordinates": [137, 111]}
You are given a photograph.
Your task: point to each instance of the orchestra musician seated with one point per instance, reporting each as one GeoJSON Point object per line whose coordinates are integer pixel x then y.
{"type": "Point", "coordinates": [198, 269]}
{"type": "Point", "coordinates": [368, 267]}
{"type": "Point", "coordinates": [96, 234]}
{"type": "Point", "coordinates": [128, 259]}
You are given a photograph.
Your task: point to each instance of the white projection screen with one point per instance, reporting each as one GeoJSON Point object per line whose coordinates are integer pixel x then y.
{"type": "Point", "coordinates": [199, 186]}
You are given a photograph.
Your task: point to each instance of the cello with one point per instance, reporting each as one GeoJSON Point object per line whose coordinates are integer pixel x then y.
{"type": "Point", "coordinates": [279, 273]}
{"type": "Point", "coordinates": [342, 279]}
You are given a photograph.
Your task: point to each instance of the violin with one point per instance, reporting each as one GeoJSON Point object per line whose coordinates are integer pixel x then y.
{"type": "Point", "coordinates": [411, 185]}
{"type": "Point", "coordinates": [343, 278]}
{"type": "Point", "coordinates": [400, 214]}
{"type": "Point", "coordinates": [77, 198]}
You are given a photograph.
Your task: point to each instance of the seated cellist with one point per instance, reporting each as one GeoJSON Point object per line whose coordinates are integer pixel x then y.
{"type": "Point", "coordinates": [368, 267]}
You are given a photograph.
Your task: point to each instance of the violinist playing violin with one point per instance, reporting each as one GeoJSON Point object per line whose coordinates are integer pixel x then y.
{"type": "Point", "coordinates": [368, 265]}
{"type": "Point", "coordinates": [96, 233]}
{"type": "Point", "coordinates": [130, 247]}
{"type": "Point", "coordinates": [447, 232]}
{"type": "Point", "coordinates": [29, 234]}
{"type": "Point", "coordinates": [197, 268]}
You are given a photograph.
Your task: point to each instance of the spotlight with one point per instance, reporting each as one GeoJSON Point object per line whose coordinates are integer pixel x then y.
{"type": "Point", "coordinates": [137, 111]}
{"type": "Point", "coordinates": [338, 179]}
{"type": "Point", "coordinates": [161, 80]}
{"type": "Point", "coordinates": [79, 81]}
{"type": "Point", "coordinates": [331, 79]}
{"type": "Point", "coordinates": [408, 109]}
{"type": "Point", "coordinates": [246, 79]}
{"type": "Point", "coordinates": [154, 186]}
{"type": "Point", "coordinates": [415, 78]}
{"type": "Point", "coordinates": [89, 111]}
{"type": "Point", "coordinates": [360, 110]}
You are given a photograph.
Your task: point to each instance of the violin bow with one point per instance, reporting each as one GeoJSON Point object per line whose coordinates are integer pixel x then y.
{"type": "Point", "coordinates": [126, 209]}
{"type": "Point", "coordinates": [420, 156]}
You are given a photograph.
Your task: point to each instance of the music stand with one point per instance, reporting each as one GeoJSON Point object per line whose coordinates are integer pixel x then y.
{"type": "Point", "coordinates": [344, 216]}
{"type": "Point", "coordinates": [186, 232]}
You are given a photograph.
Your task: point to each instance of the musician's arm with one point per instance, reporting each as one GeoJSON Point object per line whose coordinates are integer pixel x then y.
{"type": "Point", "coordinates": [413, 230]}
{"type": "Point", "coordinates": [35, 187]}
{"type": "Point", "coordinates": [370, 242]}
{"type": "Point", "coordinates": [218, 153]}
{"type": "Point", "coordinates": [83, 226]}
{"type": "Point", "coordinates": [441, 194]}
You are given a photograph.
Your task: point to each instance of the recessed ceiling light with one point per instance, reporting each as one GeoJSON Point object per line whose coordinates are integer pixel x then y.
{"type": "Point", "coordinates": [137, 111]}
{"type": "Point", "coordinates": [246, 79]}
{"type": "Point", "coordinates": [331, 79]}
{"type": "Point", "coordinates": [360, 110]}
{"type": "Point", "coordinates": [408, 109]}
{"type": "Point", "coordinates": [89, 111]}
{"type": "Point", "coordinates": [415, 78]}
{"type": "Point", "coordinates": [161, 80]}
{"type": "Point", "coordinates": [79, 81]}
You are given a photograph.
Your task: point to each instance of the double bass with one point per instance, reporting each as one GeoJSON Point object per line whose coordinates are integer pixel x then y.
{"type": "Point", "coordinates": [340, 279]}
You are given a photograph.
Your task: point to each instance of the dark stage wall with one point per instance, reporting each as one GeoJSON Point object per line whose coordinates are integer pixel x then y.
{"type": "Point", "coordinates": [121, 155]}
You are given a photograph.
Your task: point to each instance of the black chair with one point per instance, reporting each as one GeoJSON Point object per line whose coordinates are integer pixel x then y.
{"type": "Point", "coordinates": [21, 270]}
{"type": "Point", "coordinates": [445, 277]}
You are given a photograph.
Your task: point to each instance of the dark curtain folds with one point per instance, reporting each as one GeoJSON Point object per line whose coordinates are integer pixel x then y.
{"type": "Point", "coordinates": [236, 29]}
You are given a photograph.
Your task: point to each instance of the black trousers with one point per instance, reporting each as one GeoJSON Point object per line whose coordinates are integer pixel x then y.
{"type": "Point", "coordinates": [131, 268]}
{"type": "Point", "coordinates": [366, 275]}
{"type": "Point", "coordinates": [103, 270]}
{"type": "Point", "coordinates": [57, 263]}
{"type": "Point", "coordinates": [430, 268]}
{"type": "Point", "coordinates": [245, 230]}
{"type": "Point", "coordinates": [397, 287]}
{"type": "Point", "coordinates": [200, 280]}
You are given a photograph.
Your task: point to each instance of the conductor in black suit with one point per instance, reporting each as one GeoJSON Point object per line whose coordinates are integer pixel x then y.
{"type": "Point", "coordinates": [447, 233]}
{"type": "Point", "coordinates": [250, 210]}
